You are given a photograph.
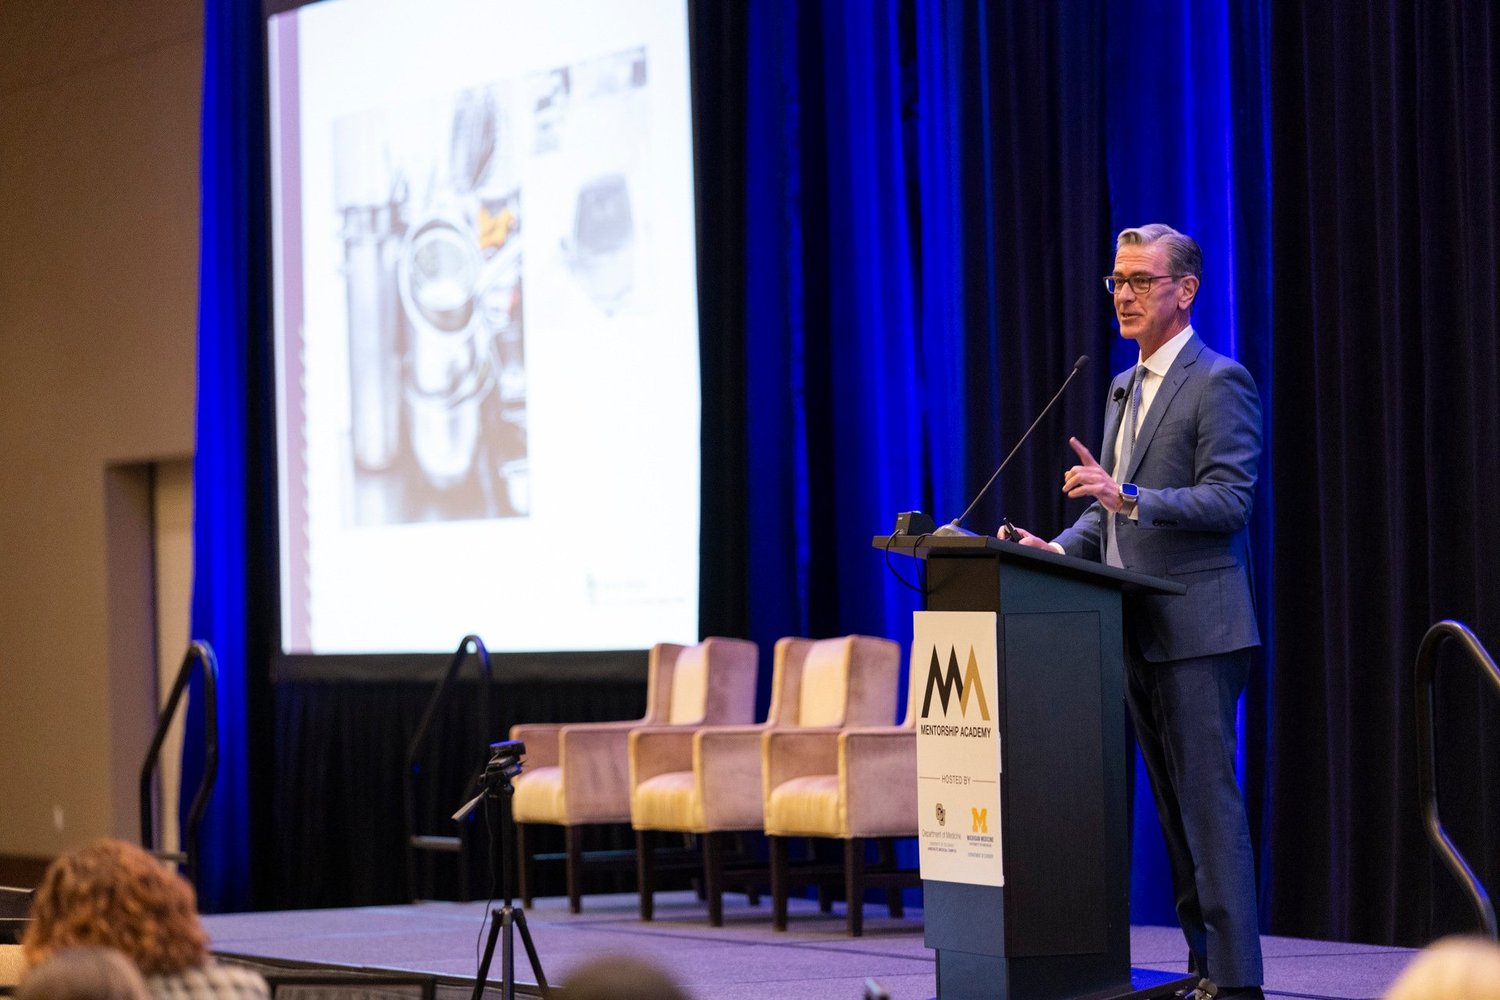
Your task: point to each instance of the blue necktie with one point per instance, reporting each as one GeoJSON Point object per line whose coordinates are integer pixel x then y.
{"type": "Point", "coordinates": [1127, 446]}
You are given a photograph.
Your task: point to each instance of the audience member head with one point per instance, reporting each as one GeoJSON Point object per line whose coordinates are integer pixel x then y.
{"type": "Point", "coordinates": [1455, 968]}
{"type": "Point", "coordinates": [83, 974]}
{"type": "Point", "coordinates": [115, 895]}
{"type": "Point", "coordinates": [621, 977]}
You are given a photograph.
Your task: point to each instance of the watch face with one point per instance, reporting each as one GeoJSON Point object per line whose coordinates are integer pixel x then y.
{"type": "Point", "coordinates": [1129, 491]}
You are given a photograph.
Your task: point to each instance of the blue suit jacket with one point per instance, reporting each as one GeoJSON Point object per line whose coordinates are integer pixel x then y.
{"type": "Point", "coordinates": [1195, 461]}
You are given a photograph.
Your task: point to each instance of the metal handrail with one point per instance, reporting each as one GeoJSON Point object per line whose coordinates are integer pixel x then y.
{"type": "Point", "coordinates": [1426, 763]}
{"type": "Point", "coordinates": [201, 653]}
{"type": "Point", "coordinates": [470, 644]}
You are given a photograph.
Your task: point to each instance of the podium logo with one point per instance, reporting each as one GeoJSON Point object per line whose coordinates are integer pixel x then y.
{"type": "Point", "coordinates": [942, 815]}
{"type": "Point", "coordinates": [981, 819]}
{"type": "Point", "coordinates": [947, 683]}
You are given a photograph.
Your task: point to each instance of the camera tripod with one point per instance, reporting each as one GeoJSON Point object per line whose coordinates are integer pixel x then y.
{"type": "Point", "coordinates": [504, 764]}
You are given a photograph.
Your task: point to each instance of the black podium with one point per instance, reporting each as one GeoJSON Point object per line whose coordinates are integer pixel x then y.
{"type": "Point", "coordinates": [1059, 928]}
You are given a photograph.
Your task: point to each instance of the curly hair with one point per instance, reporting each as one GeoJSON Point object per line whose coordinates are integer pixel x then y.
{"type": "Point", "coordinates": [113, 894]}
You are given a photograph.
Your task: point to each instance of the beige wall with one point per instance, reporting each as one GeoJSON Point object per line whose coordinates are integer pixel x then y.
{"type": "Point", "coordinates": [99, 106]}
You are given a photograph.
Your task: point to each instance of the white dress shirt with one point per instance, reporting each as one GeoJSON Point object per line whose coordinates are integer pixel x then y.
{"type": "Point", "coordinates": [1157, 367]}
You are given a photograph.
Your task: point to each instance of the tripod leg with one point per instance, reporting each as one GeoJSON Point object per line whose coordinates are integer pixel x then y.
{"type": "Point", "coordinates": [536, 963]}
{"type": "Point", "coordinates": [508, 955]}
{"type": "Point", "coordinates": [489, 955]}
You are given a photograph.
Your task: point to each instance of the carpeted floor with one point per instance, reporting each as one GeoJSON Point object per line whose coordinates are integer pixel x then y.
{"type": "Point", "coordinates": [744, 959]}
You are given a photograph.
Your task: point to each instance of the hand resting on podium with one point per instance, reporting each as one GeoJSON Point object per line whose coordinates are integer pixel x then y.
{"type": "Point", "coordinates": [1010, 533]}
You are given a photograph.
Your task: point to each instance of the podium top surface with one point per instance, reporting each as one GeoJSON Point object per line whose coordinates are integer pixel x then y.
{"type": "Point", "coordinates": [970, 546]}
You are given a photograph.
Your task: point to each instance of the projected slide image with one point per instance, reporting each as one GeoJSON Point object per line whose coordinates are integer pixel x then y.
{"type": "Point", "coordinates": [433, 266]}
{"type": "Point", "coordinates": [602, 128]}
{"type": "Point", "coordinates": [486, 316]}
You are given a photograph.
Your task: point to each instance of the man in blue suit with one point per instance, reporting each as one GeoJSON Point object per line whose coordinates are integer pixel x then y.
{"type": "Point", "coordinates": [1172, 498]}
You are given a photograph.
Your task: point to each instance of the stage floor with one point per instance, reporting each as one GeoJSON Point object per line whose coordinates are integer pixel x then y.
{"type": "Point", "coordinates": [742, 960]}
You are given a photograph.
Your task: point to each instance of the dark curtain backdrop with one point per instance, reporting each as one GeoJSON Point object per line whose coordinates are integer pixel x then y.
{"type": "Point", "coordinates": [1387, 435]}
{"type": "Point", "coordinates": [338, 802]}
{"type": "Point", "coordinates": [907, 206]}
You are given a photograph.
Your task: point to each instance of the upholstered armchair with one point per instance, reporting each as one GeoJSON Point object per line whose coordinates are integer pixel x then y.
{"type": "Point", "coordinates": [576, 774]}
{"type": "Point", "coordinates": [708, 781]}
{"type": "Point", "coordinates": [853, 785]}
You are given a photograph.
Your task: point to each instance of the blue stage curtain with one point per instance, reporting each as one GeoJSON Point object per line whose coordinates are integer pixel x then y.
{"type": "Point", "coordinates": [231, 438]}
{"type": "Point", "coordinates": [933, 187]}
{"type": "Point", "coordinates": [1188, 146]}
{"type": "Point", "coordinates": [918, 217]}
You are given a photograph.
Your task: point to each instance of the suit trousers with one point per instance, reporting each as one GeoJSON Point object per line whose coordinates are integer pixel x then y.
{"type": "Point", "coordinates": [1185, 713]}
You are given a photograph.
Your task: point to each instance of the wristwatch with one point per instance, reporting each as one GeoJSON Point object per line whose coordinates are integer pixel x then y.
{"type": "Point", "coordinates": [1129, 494]}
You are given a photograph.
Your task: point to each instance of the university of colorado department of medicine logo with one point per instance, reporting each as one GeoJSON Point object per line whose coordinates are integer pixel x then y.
{"type": "Point", "coordinates": [946, 683]}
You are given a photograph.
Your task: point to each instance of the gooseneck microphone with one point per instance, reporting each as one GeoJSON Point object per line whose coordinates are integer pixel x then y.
{"type": "Point", "coordinates": [955, 527]}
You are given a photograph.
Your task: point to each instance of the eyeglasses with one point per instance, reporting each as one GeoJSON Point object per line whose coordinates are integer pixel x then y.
{"type": "Point", "coordinates": [1139, 283]}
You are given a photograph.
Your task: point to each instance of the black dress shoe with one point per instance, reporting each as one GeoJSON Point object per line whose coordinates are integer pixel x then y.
{"type": "Point", "coordinates": [1207, 989]}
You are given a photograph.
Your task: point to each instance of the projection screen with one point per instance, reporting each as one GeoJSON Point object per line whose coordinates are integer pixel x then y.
{"type": "Point", "coordinates": [485, 323]}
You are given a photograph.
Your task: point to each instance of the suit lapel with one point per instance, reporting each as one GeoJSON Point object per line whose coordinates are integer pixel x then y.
{"type": "Point", "coordinates": [1176, 376]}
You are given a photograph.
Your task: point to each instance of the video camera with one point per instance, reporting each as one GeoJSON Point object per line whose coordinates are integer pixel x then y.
{"type": "Point", "coordinates": [505, 760]}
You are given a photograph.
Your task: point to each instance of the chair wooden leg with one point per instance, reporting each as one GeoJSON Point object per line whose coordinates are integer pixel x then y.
{"type": "Point", "coordinates": [523, 866]}
{"type": "Point", "coordinates": [645, 873]}
{"type": "Point", "coordinates": [778, 882]}
{"type": "Point", "coordinates": [463, 869]}
{"type": "Point", "coordinates": [746, 857]}
{"type": "Point", "coordinates": [854, 884]}
{"type": "Point", "coordinates": [817, 856]}
{"type": "Point", "coordinates": [713, 877]}
{"type": "Point", "coordinates": [573, 864]}
{"type": "Point", "coordinates": [690, 841]}
{"type": "Point", "coordinates": [887, 856]}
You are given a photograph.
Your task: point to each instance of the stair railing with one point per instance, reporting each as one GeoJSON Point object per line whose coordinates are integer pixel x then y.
{"type": "Point", "coordinates": [199, 654]}
{"type": "Point", "coordinates": [1427, 766]}
{"type": "Point", "coordinates": [443, 843]}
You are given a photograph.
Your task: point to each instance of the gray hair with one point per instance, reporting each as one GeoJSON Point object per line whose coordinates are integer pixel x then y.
{"type": "Point", "coordinates": [1184, 256]}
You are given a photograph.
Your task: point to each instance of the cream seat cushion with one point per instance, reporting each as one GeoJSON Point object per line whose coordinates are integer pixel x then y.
{"type": "Point", "coordinates": [667, 802]}
{"type": "Point", "coordinates": [539, 799]}
{"type": "Point", "coordinates": [809, 807]}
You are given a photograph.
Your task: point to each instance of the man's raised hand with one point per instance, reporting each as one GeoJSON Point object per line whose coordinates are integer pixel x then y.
{"type": "Point", "coordinates": [1088, 479]}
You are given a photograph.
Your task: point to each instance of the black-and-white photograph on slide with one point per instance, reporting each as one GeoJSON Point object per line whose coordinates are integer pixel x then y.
{"type": "Point", "coordinates": [486, 324]}
{"type": "Point", "coordinates": [434, 266]}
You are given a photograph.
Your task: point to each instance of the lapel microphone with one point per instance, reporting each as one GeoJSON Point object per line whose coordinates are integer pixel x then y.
{"type": "Point", "coordinates": [1119, 394]}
